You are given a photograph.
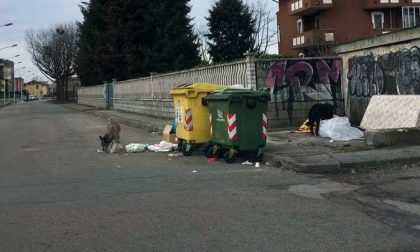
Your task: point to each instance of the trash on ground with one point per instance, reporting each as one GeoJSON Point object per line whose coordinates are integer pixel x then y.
{"type": "Point", "coordinates": [194, 171]}
{"type": "Point", "coordinates": [168, 134]}
{"type": "Point", "coordinates": [331, 141]}
{"type": "Point", "coordinates": [257, 165]}
{"type": "Point", "coordinates": [100, 151]}
{"type": "Point", "coordinates": [135, 147]}
{"type": "Point", "coordinates": [212, 159]}
{"type": "Point", "coordinates": [247, 163]}
{"type": "Point", "coordinates": [305, 128]}
{"type": "Point", "coordinates": [339, 129]}
{"type": "Point", "coordinates": [175, 154]}
{"type": "Point", "coordinates": [163, 146]}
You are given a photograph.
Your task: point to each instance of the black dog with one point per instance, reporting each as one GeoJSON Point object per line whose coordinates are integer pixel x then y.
{"type": "Point", "coordinates": [317, 113]}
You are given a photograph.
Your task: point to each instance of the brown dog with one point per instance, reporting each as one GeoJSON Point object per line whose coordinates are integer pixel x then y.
{"type": "Point", "coordinates": [111, 139]}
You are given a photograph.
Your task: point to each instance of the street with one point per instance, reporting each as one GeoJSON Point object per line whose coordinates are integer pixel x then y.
{"type": "Point", "coordinates": [57, 193]}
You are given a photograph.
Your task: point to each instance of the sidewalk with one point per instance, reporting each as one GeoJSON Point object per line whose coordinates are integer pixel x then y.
{"type": "Point", "coordinates": [291, 150]}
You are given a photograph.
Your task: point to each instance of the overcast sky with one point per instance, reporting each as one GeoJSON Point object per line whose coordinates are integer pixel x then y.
{"type": "Point", "coordinates": [37, 14]}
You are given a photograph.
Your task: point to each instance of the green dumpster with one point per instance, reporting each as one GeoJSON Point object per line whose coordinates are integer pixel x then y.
{"type": "Point", "coordinates": [238, 120]}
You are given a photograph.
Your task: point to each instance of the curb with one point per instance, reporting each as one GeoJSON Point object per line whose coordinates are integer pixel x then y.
{"type": "Point", "coordinates": [333, 165]}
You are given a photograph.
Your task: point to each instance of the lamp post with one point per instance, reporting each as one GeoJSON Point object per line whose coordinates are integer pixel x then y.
{"type": "Point", "coordinates": [14, 45]}
{"type": "Point", "coordinates": [8, 24]}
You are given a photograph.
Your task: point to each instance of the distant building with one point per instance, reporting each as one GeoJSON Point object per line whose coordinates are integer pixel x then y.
{"type": "Point", "coordinates": [6, 76]}
{"type": "Point", "coordinates": [38, 88]}
{"type": "Point", "coordinates": [312, 27]}
{"type": "Point", "coordinates": [19, 82]}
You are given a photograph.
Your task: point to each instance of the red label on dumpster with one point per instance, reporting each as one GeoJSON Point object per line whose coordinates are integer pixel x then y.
{"type": "Point", "coordinates": [232, 132]}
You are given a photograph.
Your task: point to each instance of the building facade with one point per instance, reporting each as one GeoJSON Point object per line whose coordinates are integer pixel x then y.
{"type": "Point", "coordinates": [37, 88]}
{"type": "Point", "coordinates": [313, 27]}
{"type": "Point", "coordinates": [7, 76]}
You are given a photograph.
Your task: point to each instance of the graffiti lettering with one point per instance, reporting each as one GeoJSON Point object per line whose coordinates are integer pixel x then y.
{"type": "Point", "coordinates": [365, 77]}
{"type": "Point", "coordinates": [408, 73]}
{"type": "Point", "coordinates": [297, 81]}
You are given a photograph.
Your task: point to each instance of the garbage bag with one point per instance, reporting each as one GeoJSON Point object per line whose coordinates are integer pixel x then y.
{"type": "Point", "coordinates": [135, 147]}
{"type": "Point", "coordinates": [339, 129]}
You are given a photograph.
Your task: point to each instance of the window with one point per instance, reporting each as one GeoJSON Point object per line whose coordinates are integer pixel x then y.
{"type": "Point", "coordinates": [411, 16]}
{"type": "Point", "coordinates": [378, 20]}
{"type": "Point", "coordinates": [299, 24]}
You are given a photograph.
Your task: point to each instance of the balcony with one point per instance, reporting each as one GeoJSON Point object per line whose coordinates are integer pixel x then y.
{"type": "Point", "coordinates": [389, 4]}
{"type": "Point", "coordinates": [314, 38]}
{"type": "Point", "coordinates": [308, 7]}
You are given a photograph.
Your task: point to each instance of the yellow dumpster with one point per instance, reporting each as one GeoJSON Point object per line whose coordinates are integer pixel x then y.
{"type": "Point", "coordinates": [192, 117]}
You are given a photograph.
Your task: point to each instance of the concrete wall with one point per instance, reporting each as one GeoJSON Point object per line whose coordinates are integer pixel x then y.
{"type": "Point", "coordinates": [386, 64]}
{"type": "Point", "coordinates": [297, 84]}
{"type": "Point", "coordinates": [92, 96]}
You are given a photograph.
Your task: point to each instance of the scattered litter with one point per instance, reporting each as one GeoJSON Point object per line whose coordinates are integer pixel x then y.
{"type": "Point", "coordinates": [100, 151]}
{"type": "Point", "coordinates": [163, 146]}
{"type": "Point", "coordinates": [194, 171]}
{"type": "Point", "coordinates": [175, 154]}
{"type": "Point", "coordinates": [247, 163]}
{"type": "Point", "coordinates": [353, 171]}
{"type": "Point", "coordinates": [136, 147]}
{"type": "Point", "coordinates": [119, 166]}
{"type": "Point", "coordinates": [212, 159]}
{"type": "Point", "coordinates": [155, 133]}
{"type": "Point", "coordinates": [257, 165]}
{"type": "Point", "coordinates": [267, 164]}
{"type": "Point", "coordinates": [331, 141]}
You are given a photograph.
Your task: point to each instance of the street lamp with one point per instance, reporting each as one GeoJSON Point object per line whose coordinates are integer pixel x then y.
{"type": "Point", "coordinates": [17, 55]}
{"type": "Point", "coordinates": [8, 47]}
{"type": "Point", "coordinates": [8, 24]}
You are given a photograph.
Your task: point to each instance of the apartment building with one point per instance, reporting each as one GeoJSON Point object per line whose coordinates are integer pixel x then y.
{"type": "Point", "coordinates": [312, 27]}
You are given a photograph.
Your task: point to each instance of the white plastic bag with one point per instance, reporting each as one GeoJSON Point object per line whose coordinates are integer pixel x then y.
{"type": "Point", "coordinates": [339, 129]}
{"type": "Point", "coordinates": [135, 147]}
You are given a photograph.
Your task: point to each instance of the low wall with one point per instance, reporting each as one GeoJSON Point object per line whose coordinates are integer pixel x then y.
{"type": "Point", "coordinates": [385, 64]}
{"type": "Point", "coordinates": [162, 108]}
{"type": "Point", "coordinates": [295, 85]}
{"type": "Point", "coordinates": [92, 96]}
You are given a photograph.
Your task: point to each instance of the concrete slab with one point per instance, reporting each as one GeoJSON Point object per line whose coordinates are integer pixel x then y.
{"type": "Point", "coordinates": [392, 112]}
{"type": "Point", "coordinates": [392, 137]}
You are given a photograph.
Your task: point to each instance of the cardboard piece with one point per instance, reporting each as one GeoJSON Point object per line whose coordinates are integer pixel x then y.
{"type": "Point", "coordinates": [168, 136]}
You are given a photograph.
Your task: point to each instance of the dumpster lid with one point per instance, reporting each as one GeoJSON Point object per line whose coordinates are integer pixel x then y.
{"type": "Point", "coordinates": [199, 87]}
{"type": "Point", "coordinates": [227, 93]}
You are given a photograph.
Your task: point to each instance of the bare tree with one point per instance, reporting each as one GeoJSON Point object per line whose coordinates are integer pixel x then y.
{"type": "Point", "coordinates": [265, 35]}
{"type": "Point", "coordinates": [53, 51]}
{"type": "Point", "coordinates": [203, 50]}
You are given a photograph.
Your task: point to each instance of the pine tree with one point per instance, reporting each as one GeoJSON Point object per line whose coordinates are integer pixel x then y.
{"type": "Point", "coordinates": [139, 37]}
{"type": "Point", "coordinates": [90, 32]}
{"type": "Point", "coordinates": [231, 28]}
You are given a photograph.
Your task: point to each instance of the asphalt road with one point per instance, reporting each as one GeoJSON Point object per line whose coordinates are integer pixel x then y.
{"type": "Point", "coordinates": [57, 193]}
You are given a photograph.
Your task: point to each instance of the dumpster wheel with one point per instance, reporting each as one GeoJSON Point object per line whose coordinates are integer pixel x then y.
{"type": "Point", "coordinates": [186, 149]}
{"type": "Point", "coordinates": [212, 151]}
{"type": "Point", "coordinates": [230, 156]}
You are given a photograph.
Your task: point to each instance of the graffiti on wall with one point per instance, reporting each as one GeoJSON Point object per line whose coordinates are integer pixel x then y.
{"type": "Point", "coordinates": [408, 74]}
{"type": "Point", "coordinates": [365, 77]}
{"type": "Point", "coordinates": [391, 73]}
{"type": "Point", "coordinates": [303, 80]}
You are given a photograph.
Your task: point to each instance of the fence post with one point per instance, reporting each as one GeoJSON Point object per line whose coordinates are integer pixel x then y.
{"type": "Point", "coordinates": [251, 75]}
{"type": "Point", "coordinates": [152, 88]}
